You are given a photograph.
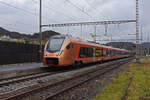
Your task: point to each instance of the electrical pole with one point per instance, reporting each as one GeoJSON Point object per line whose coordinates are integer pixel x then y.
{"type": "Point", "coordinates": [81, 33]}
{"type": "Point", "coordinates": [106, 29]}
{"type": "Point", "coordinates": [141, 41]}
{"type": "Point", "coordinates": [148, 42]}
{"type": "Point", "coordinates": [95, 33]}
{"type": "Point", "coordinates": [147, 37]}
{"type": "Point", "coordinates": [137, 30]}
{"type": "Point", "coordinates": [40, 30]}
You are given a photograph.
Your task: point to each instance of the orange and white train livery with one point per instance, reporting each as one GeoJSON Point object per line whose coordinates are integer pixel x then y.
{"type": "Point", "coordinates": [63, 50]}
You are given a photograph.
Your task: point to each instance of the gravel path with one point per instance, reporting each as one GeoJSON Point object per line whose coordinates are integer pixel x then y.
{"type": "Point", "coordinates": [89, 90]}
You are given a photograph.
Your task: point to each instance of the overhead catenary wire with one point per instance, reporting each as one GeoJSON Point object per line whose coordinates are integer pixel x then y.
{"type": "Point", "coordinates": [45, 6]}
{"type": "Point", "coordinates": [70, 14]}
{"type": "Point", "coordinates": [21, 9]}
{"type": "Point", "coordinates": [96, 10]}
{"type": "Point", "coordinates": [71, 17]}
{"type": "Point", "coordinates": [17, 22]}
{"type": "Point", "coordinates": [14, 28]}
{"type": "Point", "coordinates": [2, 2]}
{"type": "Point", "coordinates": [79, 8]}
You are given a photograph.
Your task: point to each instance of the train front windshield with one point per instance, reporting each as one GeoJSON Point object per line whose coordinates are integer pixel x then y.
{"type": "Point", "coordinates": [55, 44]}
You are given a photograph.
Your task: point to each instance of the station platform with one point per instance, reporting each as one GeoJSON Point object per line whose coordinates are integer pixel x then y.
{"type": "Point", "coordinates": [13, 70]}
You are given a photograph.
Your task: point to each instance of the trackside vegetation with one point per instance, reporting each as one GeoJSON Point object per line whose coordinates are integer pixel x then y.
{"type": "Point", "coordinates": [133, 84]}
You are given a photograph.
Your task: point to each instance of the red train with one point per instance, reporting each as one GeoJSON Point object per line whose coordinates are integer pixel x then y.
{"type": "Point", "coordinates": [62, 50]}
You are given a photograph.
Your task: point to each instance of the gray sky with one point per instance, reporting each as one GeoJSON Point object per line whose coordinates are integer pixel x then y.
{"type": "Point", "coordinates": [22, 16]}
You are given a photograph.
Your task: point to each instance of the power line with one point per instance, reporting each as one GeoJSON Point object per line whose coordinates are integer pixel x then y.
{"type": "Point", "coordinates": [94, 8]}
{"type": "Point", "coordinates": [26, 11]}
{"type": "Point", "coordinates": [12, 27]}
{"type": "Point", "coordinates": [74, 17]}
{"type": "Point", "coordinates": [79, 8]}
{"type": "Point", "coordinates": [18, 23]}
{"type": "Point", "coordinates": [61, 13]}
{"type": "Point", "coordinates": [56, 11]}
{"type": "Point", "coordinates": [18, 8]}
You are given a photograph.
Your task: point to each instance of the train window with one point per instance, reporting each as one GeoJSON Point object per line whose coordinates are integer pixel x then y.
{"type": "Point", "coordinates": [113, 53]}
{"type": "Point", "coordinates": [116, 53]}
{"type": "Point", "coordinates": [86, 52]}
{"type": "Point", "coordinates": [90, 52]}
{"type": "Point", "coordinates": [68, 46]}
{"type": "Point", "coordinates": [107, 53]}
{"type": "Point", "coordinates": [104, 53]}
{"type": "Point", "coordinates": [55, 44]}
{"type": "Point", "coordinates": [81, 54]}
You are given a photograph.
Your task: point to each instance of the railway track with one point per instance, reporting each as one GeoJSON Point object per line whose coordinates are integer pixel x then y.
{"type": "Point", "coordinates": [96, 74]}
{"type": "Point", "coordinates": [25, 78]}
{"type": "Point", "coordinates": [5, 82]}
{"type": "Point", "coordinates": [47, 91]}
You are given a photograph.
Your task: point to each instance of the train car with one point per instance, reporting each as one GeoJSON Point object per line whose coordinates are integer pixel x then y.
{"type": "Point", "coordinates": [63, 50]}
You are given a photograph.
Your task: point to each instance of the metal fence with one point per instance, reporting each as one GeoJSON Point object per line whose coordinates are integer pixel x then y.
{"type": "Point", "coordinates": [11, 53]}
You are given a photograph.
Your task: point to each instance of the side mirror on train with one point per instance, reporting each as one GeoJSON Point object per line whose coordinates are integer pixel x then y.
{"type": "Point", "coordinates": [68, 46]}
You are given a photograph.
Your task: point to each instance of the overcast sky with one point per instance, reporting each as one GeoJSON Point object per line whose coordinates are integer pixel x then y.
{"type": "Point", "coordinates": [23, 16]}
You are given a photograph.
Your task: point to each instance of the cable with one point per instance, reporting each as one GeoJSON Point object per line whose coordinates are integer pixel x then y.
{"type": "Point", "coordinates": [61, 13]}
{"type": "Point", "coordinates": [31, 13]}
{"type": "Point", "coordinates": [79, 8]}
{"type": "Point", "coordinates": [18, 23]}
{"type": "Point", "coordinates": [15, 28]}
{"type": "Point", "coordinates": [94, 8]}
{"type": "Point", "coordinates": [18, 8]}
{"type": "Point", "coordinates": [70, 17]}
{"type": "Point", "coordinates": [56, 11]}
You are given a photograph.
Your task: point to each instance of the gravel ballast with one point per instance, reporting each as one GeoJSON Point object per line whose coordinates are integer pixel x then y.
{"type": "Point", "coordinates": [89, 90]}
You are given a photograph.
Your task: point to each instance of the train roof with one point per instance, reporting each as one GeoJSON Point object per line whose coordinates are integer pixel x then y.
{"type": "Point", "coordinates": [80, 41]}
{"type": "Point", "coordinates": [98, 45]}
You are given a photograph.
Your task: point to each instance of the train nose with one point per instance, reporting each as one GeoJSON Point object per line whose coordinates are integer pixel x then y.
{"type": "Point", "coordinates": [52, 61]}
{"type": "Point", "coordinates": [48, 54]}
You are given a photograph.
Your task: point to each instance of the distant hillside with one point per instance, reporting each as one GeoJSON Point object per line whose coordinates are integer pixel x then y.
{"type": "Point", "coordinates": [131, 46]}
{"type": "Point", "coordinates": [146, 45]}
{"type": "Point", "coordinates": [125, 45]}
{"type": "Point", "coordinates": [17, 35]}
{"type": "Point", "coordinates": [45, 34]}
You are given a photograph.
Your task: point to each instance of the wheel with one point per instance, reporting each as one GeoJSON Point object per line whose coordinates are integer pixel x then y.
{"type": "Point", "coordinates": [77, 63]}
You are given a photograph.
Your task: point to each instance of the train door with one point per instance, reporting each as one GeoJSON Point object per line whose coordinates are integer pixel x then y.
{"type": "Point", "coordinates": [71, 51]}
{"type": "Point", "coordinates": [94, 54]}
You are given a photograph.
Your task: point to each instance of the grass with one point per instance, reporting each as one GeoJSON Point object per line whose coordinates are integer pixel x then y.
{"type": "Point", "coordinates": [133, 84]}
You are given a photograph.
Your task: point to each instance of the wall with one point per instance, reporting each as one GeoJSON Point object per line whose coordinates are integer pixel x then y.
{"type": "Point", "coordinates": [11, 53]}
